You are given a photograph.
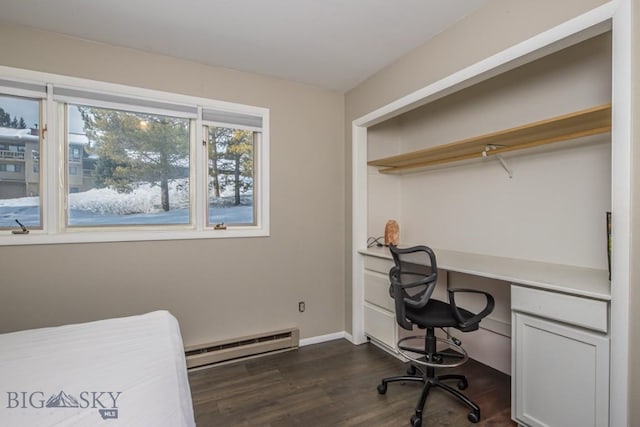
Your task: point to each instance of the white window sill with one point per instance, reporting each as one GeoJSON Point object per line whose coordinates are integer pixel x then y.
{"type": "Point", "coordinates": [36, 237]}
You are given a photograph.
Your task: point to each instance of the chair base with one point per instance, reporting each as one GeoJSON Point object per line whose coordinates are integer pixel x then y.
{"type": "Point", "coordinates": [423, 371]}
{"type": "Point", "coordinates": [437, 382]}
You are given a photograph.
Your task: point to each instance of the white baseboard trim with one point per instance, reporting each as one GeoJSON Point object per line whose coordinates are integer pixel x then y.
{"type": "Point", "coordinates": [349, 337]}
{"type": "Point", "coordinates": [324, 338]}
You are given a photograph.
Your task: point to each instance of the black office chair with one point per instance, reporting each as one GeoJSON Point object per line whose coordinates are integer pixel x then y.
{"type": "Point", "coordinates": [413, 280]}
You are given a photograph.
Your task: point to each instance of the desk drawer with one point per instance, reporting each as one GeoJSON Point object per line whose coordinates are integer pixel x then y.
{"type": "Point", "coordinates": [380, 325]}
{"type": "Point", "coordinates": [381, 265]}
{"type": "Point", "coordinates": [583, 312]}
{"type": "Point", "coordinates": [376, 290]}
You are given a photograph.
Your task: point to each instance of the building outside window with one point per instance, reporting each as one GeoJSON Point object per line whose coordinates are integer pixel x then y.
{"type": "Point", "coordinates": [19, 173]}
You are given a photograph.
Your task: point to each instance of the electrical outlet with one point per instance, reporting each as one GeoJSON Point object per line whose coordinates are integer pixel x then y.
{"type": "Point", "coordinates": [301, 306]}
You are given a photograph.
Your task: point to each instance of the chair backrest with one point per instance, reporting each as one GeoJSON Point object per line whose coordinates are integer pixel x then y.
{"type": "Point", "coordinates": [412, 279]}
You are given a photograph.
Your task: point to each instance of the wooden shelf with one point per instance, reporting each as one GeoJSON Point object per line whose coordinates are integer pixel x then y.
{"type": "Point", "coordinates": [579, 124]}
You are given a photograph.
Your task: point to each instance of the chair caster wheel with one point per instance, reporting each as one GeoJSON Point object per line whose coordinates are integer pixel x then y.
{"type": "Point", "coordinates": [474, 416]}
{"type": "Point", "coordinates": [416, 421]}
{"type": "Point", "coordinates": [382, 388]}
{"type": "Point", "coordinates": [463, 384]}
{"type": "Point", "coordinates": [411, 370]}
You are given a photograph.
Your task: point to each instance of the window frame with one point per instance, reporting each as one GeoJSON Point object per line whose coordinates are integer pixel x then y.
{"type": "Point", "coordinates": [54, 161]}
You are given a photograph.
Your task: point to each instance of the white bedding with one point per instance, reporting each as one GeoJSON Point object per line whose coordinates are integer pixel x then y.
{"type": "Point", "coordinates": [118, 372]}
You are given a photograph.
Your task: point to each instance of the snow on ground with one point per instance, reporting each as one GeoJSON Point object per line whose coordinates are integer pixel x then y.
{"type": "Point", "coordinates": [144, 199]}
{"type": "Point", "coordinates": [141, 206]}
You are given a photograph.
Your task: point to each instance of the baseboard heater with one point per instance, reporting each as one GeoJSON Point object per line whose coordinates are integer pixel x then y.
{"type": "Point", "coordinates": [240, 348]}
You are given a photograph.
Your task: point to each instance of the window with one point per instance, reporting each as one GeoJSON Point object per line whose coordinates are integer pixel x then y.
{"type": "Point", "coordinates": [10, 167]}
{"type": "Point", "coordinates": [138, 167]}
{"type": "Point", "coordinates": [19, 175]}
{"type": "Point", "coordinates": [127, 163]}
{"type": "Point", "coordinates": [230, 162]}
{"type": "Point", "coordinates": [75, 153]}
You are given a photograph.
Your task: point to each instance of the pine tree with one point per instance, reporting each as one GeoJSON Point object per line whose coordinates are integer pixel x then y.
{"type": "Point", "coordinates": [134, 148]}
{"type": "Point", "coordinates": [6, 121]}
{"type": "Point", "coordinates": [231, 160]}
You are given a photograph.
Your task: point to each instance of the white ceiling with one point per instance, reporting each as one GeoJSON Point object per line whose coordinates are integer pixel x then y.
{"type": "Point", "coordinates": [333, 44]}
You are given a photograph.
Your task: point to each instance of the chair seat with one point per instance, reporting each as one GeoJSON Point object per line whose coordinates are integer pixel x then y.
{"type": "Point", "coordinates": [437, 314]}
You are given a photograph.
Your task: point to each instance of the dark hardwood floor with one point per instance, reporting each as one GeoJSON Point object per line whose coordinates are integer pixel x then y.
{"type": "Point", "coordinates": [334, 384]}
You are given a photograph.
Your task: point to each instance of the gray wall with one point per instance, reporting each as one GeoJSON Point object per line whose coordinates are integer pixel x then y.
{"type": "Point", "coordinates": [216, 288]}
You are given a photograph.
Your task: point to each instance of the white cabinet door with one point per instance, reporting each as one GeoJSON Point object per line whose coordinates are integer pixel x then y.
{"type": "Point", "coordinates": [561, 374]}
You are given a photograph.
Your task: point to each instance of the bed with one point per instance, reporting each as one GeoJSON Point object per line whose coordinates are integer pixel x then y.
{"type": "Point", "coordinates": [128, 371]}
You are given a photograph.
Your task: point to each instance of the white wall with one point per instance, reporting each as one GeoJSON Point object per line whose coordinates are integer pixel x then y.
{"type": "Point", "coordinates": [553, 209]}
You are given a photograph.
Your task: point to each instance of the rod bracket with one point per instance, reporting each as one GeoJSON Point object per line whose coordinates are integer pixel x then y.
{"type": "Point", "coordinates": [503, 162]}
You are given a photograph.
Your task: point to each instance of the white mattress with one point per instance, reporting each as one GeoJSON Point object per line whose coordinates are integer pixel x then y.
{"type": "Point", "coordinates": [117, 372]}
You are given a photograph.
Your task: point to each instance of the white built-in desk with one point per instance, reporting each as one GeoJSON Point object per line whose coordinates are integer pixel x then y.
{"type": "Point", "coordinates": [572, 280]}
{"type": "Point", "coordinates": [559, 331]}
